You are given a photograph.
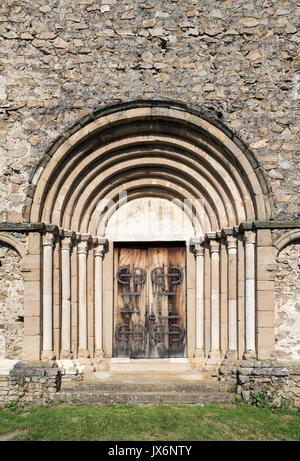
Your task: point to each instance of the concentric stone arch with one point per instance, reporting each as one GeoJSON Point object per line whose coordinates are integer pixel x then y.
{"type": "Point", "coordinates": [119, 145]}
{"type": "Point", "coordinates": [148, 150]}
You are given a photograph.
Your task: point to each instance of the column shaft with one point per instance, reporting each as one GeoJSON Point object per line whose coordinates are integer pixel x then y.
{"type": "Point", "coordinates": [82, 298]}
{"type": "Point", "coordinates": [66, 297]}
{"type": "Point", "coordinates": [250, 294]}
{"type": "Point", "coordinates": [99, 253]}
{"type": "Point", "coordinates": [48, 297]}
{"type": "Point", "coordinates": [199, 254]}
{"type": "Point", "coordinates": [215, 300]}
{"type": "Point", "coordinates": [232, 297]}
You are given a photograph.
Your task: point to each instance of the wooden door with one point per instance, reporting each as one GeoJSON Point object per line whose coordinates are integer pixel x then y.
{"type": "Point", "coordinates": [149, 302]}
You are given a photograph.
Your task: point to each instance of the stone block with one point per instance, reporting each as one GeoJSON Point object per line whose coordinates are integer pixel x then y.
{"type": "Point", "coordinates": [246, 364]}
{"type": "Point", "coordinates": [264, 238]}
{"type": "Point", "coordinates": [265, 319]}
{"type": "Point", "coordinates": [52, 372]}
{"type": "Point", "coordinates": [280, 372]}
{"type": "Point", "coordinates": [265, 300]}
{"type": "Point", "coordinates": [31, 275]}
{"type": "Point", "coordinates": [265, 337]}
{"type": "Point", "coordinates": [295, 370]}
{"type": "Point", "coordinates": [242, 379]}
{"type": "Point", "coordinates": [31, 262]}
{"type": "Point", "coordinates": [266, 255]}
{"type": "Point", "coordinates": [32, 291]}
{"type": "Point", "coordinates": [245, 371]}
{"type": "Point", "coordinates": [266, 272]}
{"type": "Point", "coordinates": [32, 325]}
{"type": "Point", "coordinates": [265, 285]}
{"type": "Point", "coordinates": [34, 243]}
{"type": "Point", "coordinates": [32, 308]}
{"type": "Point", "coordinates": [31, 348]}
{"type": "Point", "coordinates": [21, 364]}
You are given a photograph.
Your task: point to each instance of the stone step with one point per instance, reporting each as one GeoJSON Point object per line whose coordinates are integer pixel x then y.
{"type": "Point", "coordinates": [126, 365]}
{"type": "Point", "coordinates": [123, 385]}
{"type": "Point", "coordinates": [130, 398]}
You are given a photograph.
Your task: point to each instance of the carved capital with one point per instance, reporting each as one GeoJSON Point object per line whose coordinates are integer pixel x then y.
{"type": "Point", "coordinates": [249, 237]}
{"type": "Point", "coordinates": [99, 251]}
{"type": "Point", "coordinates": [48, 239]}
{"type": "Point", "coordinates": [82, 248]}
{"type": "Point", "coordinates": [214, 246]}
{"type": "Point", "coordinates": [66, 243]}
{"type": "Point", "coordinates": [85, 237]}
{"type": "Point", "coordinates": [231, 243]}
{"type": "Point", "coordinates": [199, 251]}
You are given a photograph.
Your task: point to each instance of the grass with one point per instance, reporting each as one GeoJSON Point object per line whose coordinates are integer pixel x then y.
{"type": "Point", "coordinates": [149, 423]}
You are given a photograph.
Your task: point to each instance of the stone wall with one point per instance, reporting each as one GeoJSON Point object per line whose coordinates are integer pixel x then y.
{"type": "Point", "coordinates": [11, 303]}
{"type": "Point", "coordinates": [251, 377]}
{"type": "Point", "coordinates": [235, 60]}
{"type": "Point", "coordinates": [287, 303]}
{"type": "Point", "coordinates": [32, 382]}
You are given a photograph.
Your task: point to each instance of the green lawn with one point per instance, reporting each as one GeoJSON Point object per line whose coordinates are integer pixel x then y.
{"type": "Point", "coordinates": [149, 423]}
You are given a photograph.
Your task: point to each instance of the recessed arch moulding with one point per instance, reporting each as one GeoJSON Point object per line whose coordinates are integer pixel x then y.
{"type": "Point", "coordinates": [182, 155]}
{"type": "Point", "coordinates": [121, 170]}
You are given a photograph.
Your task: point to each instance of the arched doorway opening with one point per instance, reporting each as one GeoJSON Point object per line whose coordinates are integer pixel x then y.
{"type": "Point", "coordinates": [147, 172]}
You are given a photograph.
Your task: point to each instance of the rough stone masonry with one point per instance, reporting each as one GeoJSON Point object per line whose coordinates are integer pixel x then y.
{"type": "Point", "coordinates": [236, 60]}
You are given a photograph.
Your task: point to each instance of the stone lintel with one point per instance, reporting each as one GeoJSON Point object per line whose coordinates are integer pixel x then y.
{"type": "Point", "coordinates": [196, 241]}
{"type": "Point", "coordinates": [28, 227]}
{"type": "Point", "coordinates": [269, 224]}
{"type": "Point", "coordinates": [100, 241]}
{"type": "Point", "coordinates": [226, 231]}
{"type": "Point", "coordinates": [67, 233]}
{"type": "Point", "coordinates": [211, 236]}
{"type": "Point", "coordinates": [85, 238]}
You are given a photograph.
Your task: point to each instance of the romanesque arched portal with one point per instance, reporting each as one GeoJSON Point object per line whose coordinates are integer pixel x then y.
{"type": "Point", "coordinates": [147, 175]}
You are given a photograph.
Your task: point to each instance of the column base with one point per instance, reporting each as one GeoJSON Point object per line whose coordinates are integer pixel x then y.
{"type": "Point", "coordinates": [99, 360]}
{"type": "Point", "coordinates": [66, 354]}
{"type": "Point", "coordinates": [231, 355]}
{"type": "Point", "coordinates": [214, 357]}
{"type": "Point", "coordinates": [85, 360]}
{"type": "Point", "coordinates": [83, 354]}
{"type": "Point", "coordinates": [199, 353]}
{"type": "Point", "coordinates": [198, 360]}
{"type": "Point", "coordinates": [47, 356]}
{"type": "Point", "coordinates": [249, 355]}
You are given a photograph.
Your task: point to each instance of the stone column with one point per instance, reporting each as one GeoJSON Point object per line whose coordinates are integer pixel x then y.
{"type": "Point", "coordinates": [99, 255]}
{"type": "Point", "coordinates": [250, 352]}
{"type": "Point", "coordinates": [33, 303]}
{"type": "Point", "coordinates": [199, 255]}
{"type": "Point", "coordinates": [232, 297]}
{"type": "Point", "coordinates": [214, 354]}
{"type": "Point", "coordinates": [66, 245]}
{"type": "Point", "coordinates": [266, 265]}
{"type": "Point", "coordinates": [82, 297]}
{"type": "Point", "coordinates": [47, 352]}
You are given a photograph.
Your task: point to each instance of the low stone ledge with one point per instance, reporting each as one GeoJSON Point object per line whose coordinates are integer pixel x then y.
{"type": "Point", "coordinates": [252, 376]}
{"type": "Point", "coordinates": [30, 382]}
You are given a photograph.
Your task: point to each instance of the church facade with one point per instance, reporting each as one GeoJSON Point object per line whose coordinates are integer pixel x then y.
{"type": "Point", "coordinates": [149, 184]}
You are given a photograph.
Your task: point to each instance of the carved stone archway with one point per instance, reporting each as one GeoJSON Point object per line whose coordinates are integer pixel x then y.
{"type": "Point", "coordinates": [154, 151]}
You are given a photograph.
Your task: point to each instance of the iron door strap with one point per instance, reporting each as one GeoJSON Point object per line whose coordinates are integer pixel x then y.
{"type": "Point", "coordinates": [124, 276]}
{"type": "Point", "coordinates": [123, 332]}
{"type": "Point", "coordinates": [174, 277]}
{"type": "Point", "coordinates": [176, 332]}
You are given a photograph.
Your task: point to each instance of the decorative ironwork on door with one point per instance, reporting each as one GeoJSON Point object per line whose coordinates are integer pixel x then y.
{"type": "Point", "coordinates": [150, 318]}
